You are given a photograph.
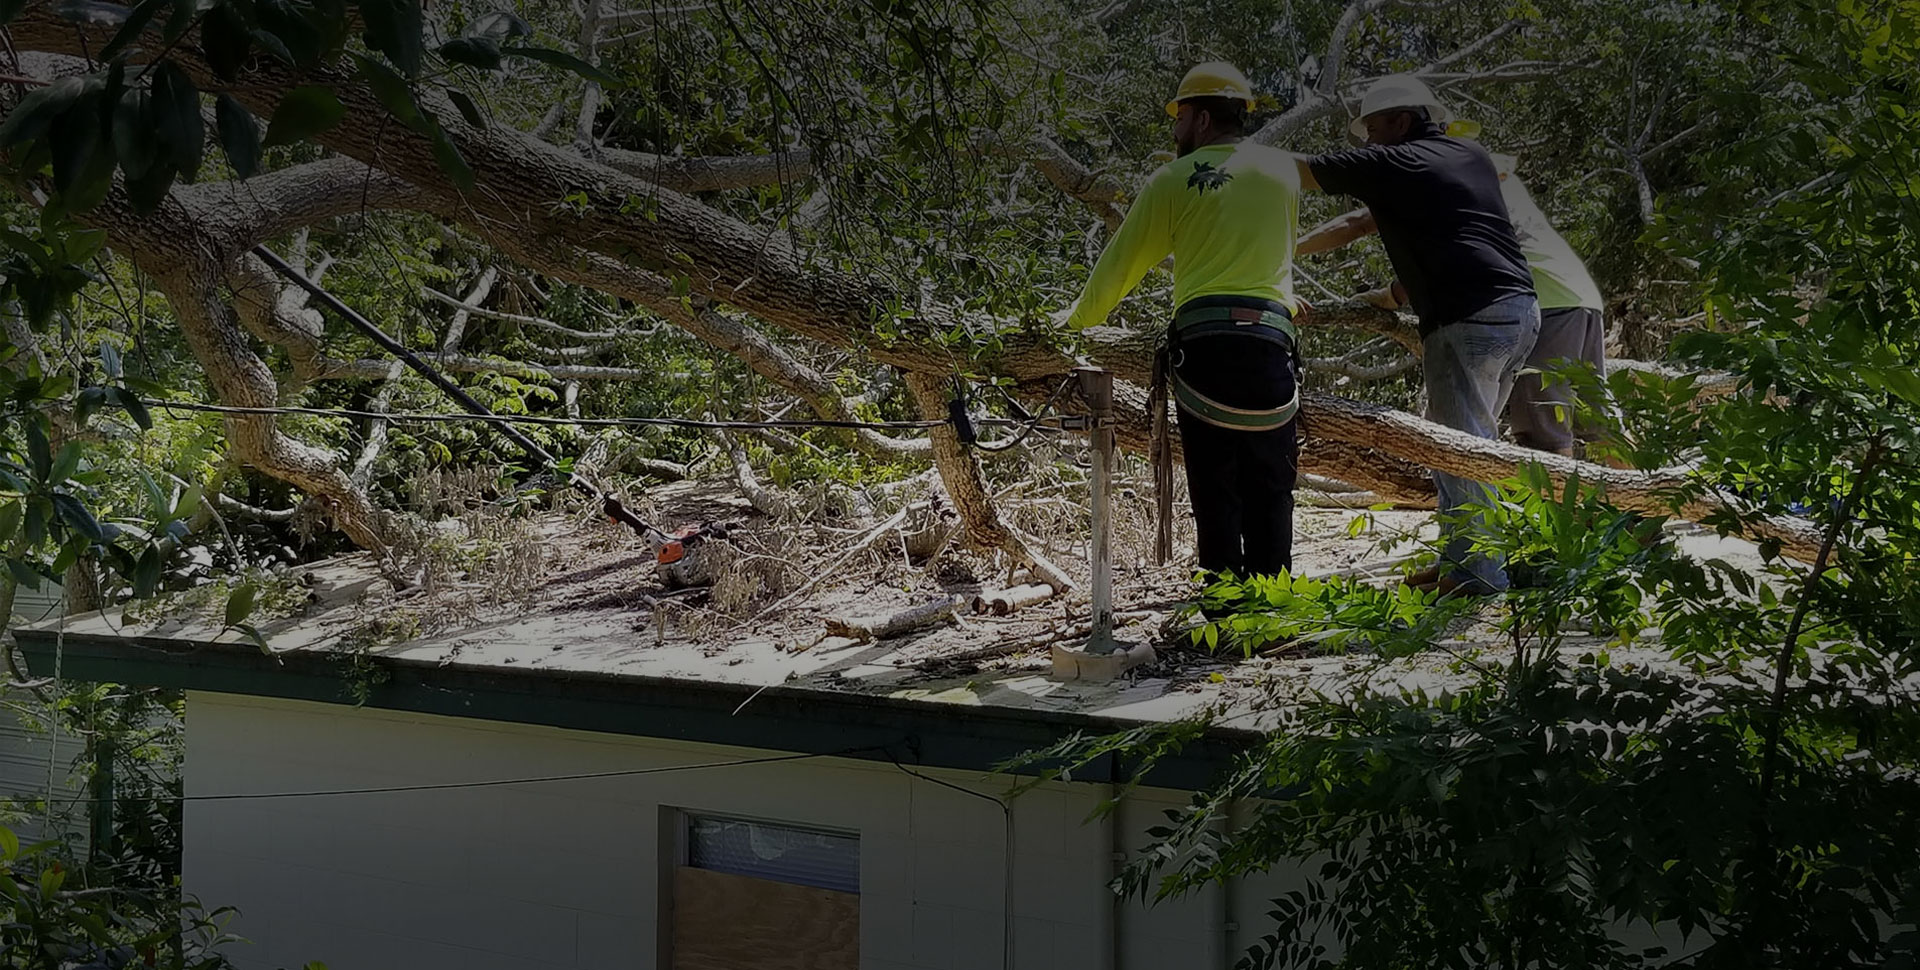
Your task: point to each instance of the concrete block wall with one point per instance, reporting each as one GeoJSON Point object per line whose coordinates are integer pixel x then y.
{"type": "Point", "coordinates": [569, 874]}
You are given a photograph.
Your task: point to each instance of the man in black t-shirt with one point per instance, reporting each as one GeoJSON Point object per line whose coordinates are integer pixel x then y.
{"type": "Point", "coordinates": [1437, 202]}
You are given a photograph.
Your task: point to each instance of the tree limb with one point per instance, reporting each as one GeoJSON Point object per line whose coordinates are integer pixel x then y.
{"type": "Point", "coordinates": [538, 323]}
{"type": "Point", "coordinates": [712, 172]}
{"type": "Point", "coordinates": [966, 486]}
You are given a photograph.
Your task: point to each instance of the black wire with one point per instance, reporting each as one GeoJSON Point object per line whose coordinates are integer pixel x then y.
{"type": "Point", "coordinates": [461, 417]}
{"type": "Point", "coordinates": [1032, 423]}
{"type": "Point", "coordinates": [494, 783]}
{"type": "Point", "coordinates": [456, 417]}
{"type": "Point", "coordinates": [999, 803]}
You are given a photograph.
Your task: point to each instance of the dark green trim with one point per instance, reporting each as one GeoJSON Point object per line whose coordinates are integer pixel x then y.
{"type": "Point", "coordinates": [800, 720]}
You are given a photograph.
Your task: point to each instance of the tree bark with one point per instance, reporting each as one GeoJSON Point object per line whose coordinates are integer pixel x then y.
{"type": "Point", "coordinates": [967, 487]}
{"type": "Point", "coordinates": [175, 249]}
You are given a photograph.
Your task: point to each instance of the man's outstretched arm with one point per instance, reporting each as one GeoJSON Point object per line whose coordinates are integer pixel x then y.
{"type": "Point", "coordinates": [1144, 239]}
{"type": "Point", "coordinates": [1337, 232]}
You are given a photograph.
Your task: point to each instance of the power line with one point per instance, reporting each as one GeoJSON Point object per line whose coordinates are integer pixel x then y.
{"type": "Point", "coordinates": [490, 783]}
{"type": "Point", "coordinates": [445, 417]}
{"type": "Point", "coordinates": [456, 417]}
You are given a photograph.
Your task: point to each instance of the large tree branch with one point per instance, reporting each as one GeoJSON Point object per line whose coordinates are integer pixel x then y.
{"type": "Point", "coordinates": [253, 211]}
{"type": "Point", "coordinates": [1456, 452]}
{"type": "Point", "coordinates": [712, 172]}
{"type": "Point", "coordinates": [1100, 193]}
{"type": "Point", "coordinates": [179, 255]}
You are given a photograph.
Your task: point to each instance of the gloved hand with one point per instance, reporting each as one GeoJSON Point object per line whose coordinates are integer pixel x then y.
{"type": "Point", "coordinates": [1381, 297]}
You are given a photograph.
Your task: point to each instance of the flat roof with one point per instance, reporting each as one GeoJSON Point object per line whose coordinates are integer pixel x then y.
{"type": "Point", "coordinates": [587, 640]}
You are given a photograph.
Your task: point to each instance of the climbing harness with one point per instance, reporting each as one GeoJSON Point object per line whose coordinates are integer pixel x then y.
{"type": "Point", "coordinates": [1210, 316]}
{"type": "Point", "coordinates": [1241, 317]}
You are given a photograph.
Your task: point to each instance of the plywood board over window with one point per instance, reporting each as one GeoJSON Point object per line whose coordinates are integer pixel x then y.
{"type": "Point", "coordinates": [753, 895]}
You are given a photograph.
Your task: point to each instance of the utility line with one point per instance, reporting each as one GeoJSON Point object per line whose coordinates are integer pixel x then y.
{"type": "Point", "coordinates": [440, 417]}
{"type": "Point", "coordinates": [490, 783]}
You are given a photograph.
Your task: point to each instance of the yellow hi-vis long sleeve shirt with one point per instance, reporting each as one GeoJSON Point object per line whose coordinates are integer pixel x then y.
{"type": "Point", "coordinates": [1228, 214]}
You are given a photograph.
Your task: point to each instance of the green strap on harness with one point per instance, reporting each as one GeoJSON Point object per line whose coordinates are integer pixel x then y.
{"type": "Point", "coordinates": [1213, 321]}
{"type": "Point", "coordinates": [1233, 419]}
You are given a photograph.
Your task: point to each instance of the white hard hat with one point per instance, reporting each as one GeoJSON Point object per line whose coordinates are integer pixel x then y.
{"type": "Point", "coordinates": [1398, 91]}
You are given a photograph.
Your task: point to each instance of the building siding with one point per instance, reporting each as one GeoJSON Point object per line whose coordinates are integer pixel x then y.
{"type": "Point", "coordinates": [36, 757]}
{"type": "Point", "coordinates": [569, 874]}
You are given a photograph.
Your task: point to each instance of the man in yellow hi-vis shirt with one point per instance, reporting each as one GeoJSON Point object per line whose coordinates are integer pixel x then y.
{"type": "Point", "coordinates": [1227, 211]}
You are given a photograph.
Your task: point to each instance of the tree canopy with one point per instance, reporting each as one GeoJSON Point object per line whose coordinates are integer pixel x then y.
{"type": "Point", "coordinates": [842, 209]}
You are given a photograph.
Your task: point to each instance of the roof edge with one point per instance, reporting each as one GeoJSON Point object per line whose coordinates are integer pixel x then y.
{"type": "Point", "coordinates": [780, 718]}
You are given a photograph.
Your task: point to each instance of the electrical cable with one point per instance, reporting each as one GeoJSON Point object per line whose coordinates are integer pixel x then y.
{"type": "Point", "coordinates": [1005, 805]}
{"type": "Point", "coordinates": [442, 417]}
{"type": "Point", "coordinates": [493, 783]}
{"type": "Point", "coordinates": [1032, 423]}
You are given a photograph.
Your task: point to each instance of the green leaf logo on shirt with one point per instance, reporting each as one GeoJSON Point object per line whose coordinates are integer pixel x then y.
{"type": "Point", "coordinates": [1205, 177]}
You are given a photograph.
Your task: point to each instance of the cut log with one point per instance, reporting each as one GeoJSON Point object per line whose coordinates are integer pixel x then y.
{"type": "Point", "coordinates": [1001, 602]}
{"type": "Point", "coordinates": [882, 627]}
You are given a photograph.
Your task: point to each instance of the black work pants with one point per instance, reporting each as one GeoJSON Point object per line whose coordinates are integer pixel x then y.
{"type": "Point", "coordinates": [1240, 482]}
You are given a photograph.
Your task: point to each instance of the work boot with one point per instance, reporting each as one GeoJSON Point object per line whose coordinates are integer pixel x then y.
{"type": "Point", "coordinates": [1452, 586]}
{"type": "Point", "coordinates": [1423, 578]}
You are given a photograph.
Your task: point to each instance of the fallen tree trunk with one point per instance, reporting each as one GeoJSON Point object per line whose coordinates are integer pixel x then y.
{"type": "Point", "coordinates": [1660, 491]}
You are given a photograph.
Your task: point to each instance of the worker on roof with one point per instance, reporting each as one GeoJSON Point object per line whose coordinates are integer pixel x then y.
{"type": "Point", "coordinates": [1437, 203]}
{"type": "Point", "coordinates": [1542, 409]}
{"type": "Point", "coordinates": [1227, 211]}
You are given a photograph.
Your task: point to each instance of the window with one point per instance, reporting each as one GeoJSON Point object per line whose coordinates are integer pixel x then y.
{"type": "Point", "coordinates": [782, 853]}
{"type": "Point", "coordinates": [755, 895]}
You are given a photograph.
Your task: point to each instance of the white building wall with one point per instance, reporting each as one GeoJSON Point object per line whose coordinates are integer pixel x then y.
{"type": "Point", "coordinates": [569, 874]}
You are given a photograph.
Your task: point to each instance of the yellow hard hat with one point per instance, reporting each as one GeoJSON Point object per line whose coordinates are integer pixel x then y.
{"type": "Point", "coordinates": [1214, 79]}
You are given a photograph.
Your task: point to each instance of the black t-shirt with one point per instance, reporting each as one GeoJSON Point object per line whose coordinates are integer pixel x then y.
{"type": "Point", "coordinates": [1437, 202]}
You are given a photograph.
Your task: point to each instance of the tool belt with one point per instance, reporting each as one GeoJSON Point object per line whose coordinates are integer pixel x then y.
{"type": "Point", "coordinates": [1239, 316]}
{"type": "Point", "coordinates": [1198, 319]}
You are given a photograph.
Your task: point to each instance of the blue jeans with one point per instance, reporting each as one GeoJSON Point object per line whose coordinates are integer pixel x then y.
{"type": "Point", "coordinates": [1470, 368]}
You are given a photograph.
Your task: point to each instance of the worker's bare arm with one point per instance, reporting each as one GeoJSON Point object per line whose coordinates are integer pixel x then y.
{"type": "Point", "coordinates": [1337, 232]}
{"type": "Point", "coordinates": [1307, 182]}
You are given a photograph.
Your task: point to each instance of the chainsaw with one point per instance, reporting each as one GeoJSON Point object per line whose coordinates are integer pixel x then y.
{"type": "Point", "coordinates": [679, 557]}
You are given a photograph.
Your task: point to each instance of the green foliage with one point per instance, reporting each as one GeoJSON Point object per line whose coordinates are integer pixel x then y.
{"type": "Point", "coordinates": [1742, 792]}
{"type": "Point", "coordinates": [146, 122]}
{"type": "Point", "coordinates": [47, 921]}
{"type": "Point", "coordinates": [1324, 614]}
